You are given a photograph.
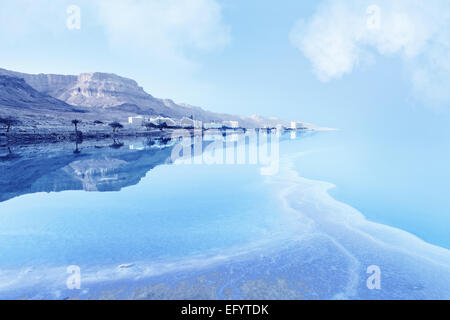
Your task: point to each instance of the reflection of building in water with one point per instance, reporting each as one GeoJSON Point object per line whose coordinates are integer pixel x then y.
{"type": "Point", "coordinates": [215, 136]}
{"type": "Point", "coordinates": [101, 168]}
{"type": "Point", "coordinates": [232, 148]}
{"type": "Point", "coordinates": [212, 125]}
{"type": "Point", "coordinates": [137, 146]}
{"type": "Point", "coordinates": [293, 135]}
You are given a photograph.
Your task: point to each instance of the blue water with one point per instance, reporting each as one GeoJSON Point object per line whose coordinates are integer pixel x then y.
{"type": "Point", "coordinates": [113, 204]}
{"type": "Point", "coordinates": [402, 180]}
{"type": "Point", "coordinates": [175, 211]}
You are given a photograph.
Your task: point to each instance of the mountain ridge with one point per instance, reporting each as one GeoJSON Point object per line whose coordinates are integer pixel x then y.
{"type": "Point", "coordinates": [16, 93]}
{"type": "Point", "coordinates": [116, 97]}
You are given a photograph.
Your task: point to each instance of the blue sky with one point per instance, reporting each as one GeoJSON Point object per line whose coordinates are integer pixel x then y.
{"type": "Point", "coordinates": [308, 60]}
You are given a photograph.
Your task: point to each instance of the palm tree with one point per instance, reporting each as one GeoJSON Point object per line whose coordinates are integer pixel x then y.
{"type": "Point", "coordinates": [75, 123]}
{"type": "Point", "coordinates": [9, 122]}
{"type": "Point", "coordinates": [115, 126]}
{"type": "Point", "coordinates": [116, 144]}
{"type": "Point", "coordinates": [150, 126]}
{"type": "Point", "coordinates": [76, 151]}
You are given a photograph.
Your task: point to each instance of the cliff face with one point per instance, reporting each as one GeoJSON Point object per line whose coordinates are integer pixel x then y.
{"type": "Point", "coordinates": [105, 90]}
{"type": "Point", "coordinates": [51, 84]}
{"type": "Point", "coordinates": [109, 95]}
{"type": "Point", "coordinates": [87, 89]}
{"type": "Point", "coordinates": [16, 93]}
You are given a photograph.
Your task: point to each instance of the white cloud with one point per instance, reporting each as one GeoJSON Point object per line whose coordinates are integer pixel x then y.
{"type": "Point", "coordinates": [168, 31]}
{"type": "Point", "coordinates": [164, 28]}
{"type": "Point", "coordinates": [342, 35]}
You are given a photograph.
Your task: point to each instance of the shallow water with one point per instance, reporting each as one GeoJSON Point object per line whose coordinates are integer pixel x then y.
{"type": "Point", "coordinates": [149, 212]}
{"type": "Point", "coordinates": [400, 180]}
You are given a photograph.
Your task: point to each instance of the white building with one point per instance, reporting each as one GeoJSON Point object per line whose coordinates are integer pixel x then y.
{"type": "Point", "coordinates": [297, 125]}
{"type": "Point", "coordinates": [136, 121]}
{"type": "Point", "coordinates": [231, 124]}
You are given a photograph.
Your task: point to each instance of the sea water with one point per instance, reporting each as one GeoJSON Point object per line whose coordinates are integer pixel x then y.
{"type": "Point", "coordinates": [129, 216]}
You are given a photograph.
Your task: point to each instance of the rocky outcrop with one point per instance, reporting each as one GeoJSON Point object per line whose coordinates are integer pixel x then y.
{"type": "Point", "coordinates": [121, 97]}
{"type": "Point", "coordinates": [16, 93]}
{"type": "Point", "coordinates": [106, 90]}
{"type": "Point", "coordinates": [51, 84]}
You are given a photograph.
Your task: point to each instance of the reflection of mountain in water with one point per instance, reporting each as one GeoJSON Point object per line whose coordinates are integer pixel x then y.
{"type": "Point", "coordinates": [92, 165]}
{"type": "Point", "coordinates": [100, 167]}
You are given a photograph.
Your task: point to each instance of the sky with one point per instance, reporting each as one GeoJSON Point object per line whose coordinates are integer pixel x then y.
{"type": "Point", "coordinates": [337, 63]}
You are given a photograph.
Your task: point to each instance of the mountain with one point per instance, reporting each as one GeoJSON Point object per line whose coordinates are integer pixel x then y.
{"type": "Point", "coordinates": [115, 97]}
{"type": "Point", "coordinates": [15, 93]}
{"type": "Point", "coordinates": [106, 91]}
{"type": "Point", "coordinates": [51, 84]}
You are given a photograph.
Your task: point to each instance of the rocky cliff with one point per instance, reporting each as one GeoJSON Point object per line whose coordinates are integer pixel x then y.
{"type": "Point", "coordinates": [15, 93]}
{"type": "Point", "coordinates": [118, 97]}
{"type": "Point", "coordinates": [106, 90]}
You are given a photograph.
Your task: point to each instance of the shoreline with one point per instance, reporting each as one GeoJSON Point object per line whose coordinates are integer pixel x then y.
{"type": "Point", "coordinates": [27, 138]}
